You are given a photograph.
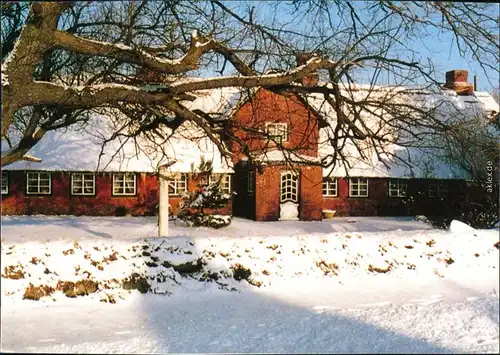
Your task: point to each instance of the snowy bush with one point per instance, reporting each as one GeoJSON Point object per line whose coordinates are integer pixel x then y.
{"type": "Point", "coordinates": [481, 215]}
{"type": "Point", "coordinates": [206, 220]}
{"type": "Point", "coordinates": [195, 204]}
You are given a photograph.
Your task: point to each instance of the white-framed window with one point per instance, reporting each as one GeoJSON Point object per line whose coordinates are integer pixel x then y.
{"type": "Point", "coordinates": [124, 184]}
{"type": "Point", "coordinates": [251, 182]}
{"type": "Point", "coordinates": [178, 185]}
{"type": "Point", "coordinates": [358, 187]}
{"type": "Point", "coordinates": [288, 187]}
{"type": "Point", "coordinates": [38, 183]}
{"type": "Point", "coordinates": [330, 187]}
{"type": "Point", "coordinates": [398, 187]}
{"type": "Point", "coordinates": [83, 184]}
{"type": "Point", "coordinates": [433, 189]}
{"type": "Point", "coordinates": [443, 189]}
{"type": "Point", "coordinates": [5, 183]}
{"type": "Point", "coordinates": [277, 131]}
{"type": "Point", "coordinates": [438, 189]}
{"type": "Point", "coordinates": [224, 181]}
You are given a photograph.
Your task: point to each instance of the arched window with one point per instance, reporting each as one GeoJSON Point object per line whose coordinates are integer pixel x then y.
{"type": "Point", "coordinates": [288, 187]}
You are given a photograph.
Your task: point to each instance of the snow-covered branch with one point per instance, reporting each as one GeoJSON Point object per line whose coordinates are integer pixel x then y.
{"type": "Point", "coordinates": [129, 54]}
{"type": "Point", "coordinates": [44, 93]}
{"type": "Point", "coordinates": [268, 80]}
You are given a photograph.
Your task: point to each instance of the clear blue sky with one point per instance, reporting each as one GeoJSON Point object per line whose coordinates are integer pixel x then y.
{"type": "Point", "coordinates": [445, 56]}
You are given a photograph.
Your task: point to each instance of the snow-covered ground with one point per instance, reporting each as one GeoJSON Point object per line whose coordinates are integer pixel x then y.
{"type": "Point", "coordinates": [390, 285]}
{"type": "Point", "coordinates": [43, 228]}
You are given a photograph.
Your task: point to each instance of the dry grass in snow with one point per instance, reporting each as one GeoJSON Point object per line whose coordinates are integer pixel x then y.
{"type": "Point", "coordinates": [108, 270]}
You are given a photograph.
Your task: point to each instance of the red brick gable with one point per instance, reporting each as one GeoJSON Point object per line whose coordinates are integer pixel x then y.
{"type": "Point", "coordinates": [268, 107]}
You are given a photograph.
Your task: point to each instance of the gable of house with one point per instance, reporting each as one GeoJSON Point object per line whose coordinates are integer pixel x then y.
{"type": "Point", "coordinates": [266, 119]}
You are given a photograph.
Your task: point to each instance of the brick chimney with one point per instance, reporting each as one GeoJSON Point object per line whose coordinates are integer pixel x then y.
{"type": "Point", "coordinates": [311, 79]}
{"type": "Point", "coordinates": [457, 80]}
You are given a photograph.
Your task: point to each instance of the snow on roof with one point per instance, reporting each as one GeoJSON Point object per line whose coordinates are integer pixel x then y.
{"type": "Point", "coordinates": [79, 148]}
{"type": "Point", "coordinates": [190, 146]}
{"type": "Point", "coordinates": [215, 101]}
{"type": "Point", "coordinates": [283, 156]}
{"type": "Point", "coordinates": [487, 100]}
{"type": "Point", "coordinates": [422, 162]}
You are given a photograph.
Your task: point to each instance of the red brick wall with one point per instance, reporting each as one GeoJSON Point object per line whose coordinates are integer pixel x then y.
{"type": "Point", "coordinates": [310, 188]}
{"type": "Point", "coordinates": [378, 202]}
{"type": "Point", "coordinates": [356, 206]}
{"type": "Point", "coordinates": [61, 202]}
{"type": "Point", "coordinates": [266, 106]}
{"type": "Point", "coordinates": [268, 193]}
{"type": "Point", "coordinates": [17, 202]}
{"type": "Point", "coordinates": [435, 206]}
{"type": "Point", "coordinates": [267, 186]}
{"type": "Point", "coordinates": [263, 205]}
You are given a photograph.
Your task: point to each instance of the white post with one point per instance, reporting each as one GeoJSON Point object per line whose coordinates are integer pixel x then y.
{"type": "Point", "coordinates": [163, 209]}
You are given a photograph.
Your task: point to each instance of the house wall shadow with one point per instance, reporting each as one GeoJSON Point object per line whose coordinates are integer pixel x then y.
{"type": "Point", "coordinates": [257, 324]}
{"type": "Point", "coordinates": [14, 225]}
{"type": "Point", "coordinates": [219, 321]}
{"type": "Point", "coordinates": [140, 227]}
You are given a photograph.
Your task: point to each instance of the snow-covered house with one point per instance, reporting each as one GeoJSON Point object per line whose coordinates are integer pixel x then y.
{"type": "Point", "coordinates": [76, 177]}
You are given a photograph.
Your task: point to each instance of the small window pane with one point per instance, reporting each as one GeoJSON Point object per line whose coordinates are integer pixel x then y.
{"type": "Point", "coordinates": [433, 189]}
{"type": "Point", "coordinates": [82, 184]}
{"type": "Point", "coordinates": [124, 184]}
{"type": "Point", "coordinates": [277, 131]}
{"type": "Point", "coordinates": [38, 183]}
{"type": "Point", "coordinates": [177, 186]}
{"type": "Point", "coordinates": [224, 181]}
{"type": "Point", "coordinates": [397, 188]}
{"type": "Point", "coordinates": [5, 183]}
{"type": "Point", "coordinates": [251, 182]}
{"type": "Point", "coordinates": [443, 189]}
{"type": "Point", "coordinates": [358, 187]}
{"type": "Point", "coordinates": [288, 187]}
{"type": "Point", "coordinates": [330, 187]}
